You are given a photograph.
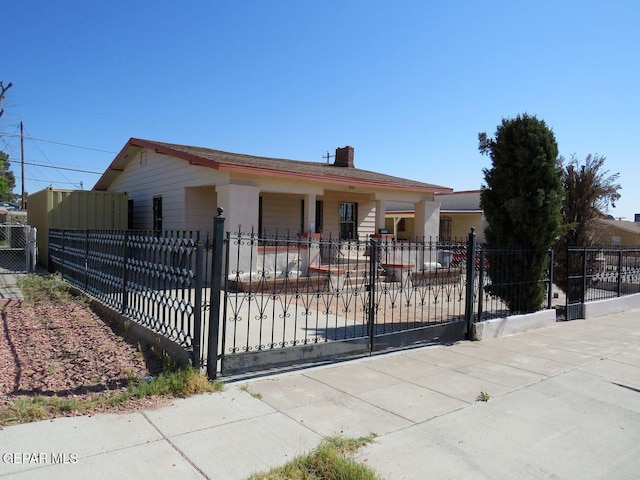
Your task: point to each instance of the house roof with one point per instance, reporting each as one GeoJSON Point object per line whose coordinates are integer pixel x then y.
{"type": "Point", "coordinates": [631, 227]}
{"type": "Point", "coordinates": [265, 166]}
{"type": "Point", "coordinates": [460, 192]}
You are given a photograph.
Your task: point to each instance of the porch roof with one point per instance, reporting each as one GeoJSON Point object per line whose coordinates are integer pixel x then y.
{"type": "Point", "coordinates": [264, 166]}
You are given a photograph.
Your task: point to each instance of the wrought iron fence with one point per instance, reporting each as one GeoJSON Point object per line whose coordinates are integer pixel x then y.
{"type": "Point", "coordinates": [237, 296]}
{"type": "Point", "coordinates": [503, 289]}
{"type": "Point", "coordinates": [17, 248]}
{"type": "Point", "coordinates": [322, 288]}
{"type": "Point", "coordinates": [155, 280]}
{"type": "Point", "coordinates": [599, 273]}
{"type": "Point", "coordinates": [311, 290]}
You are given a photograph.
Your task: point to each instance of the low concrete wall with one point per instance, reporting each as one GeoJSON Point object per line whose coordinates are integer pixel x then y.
{"type": "Point", "coordinates": [498, 327]}
{"type": "Point", "coordinates": [611, 305]}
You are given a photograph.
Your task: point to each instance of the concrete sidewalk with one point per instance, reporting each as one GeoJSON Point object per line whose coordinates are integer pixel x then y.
{"type": "Point", "coordinates": [564, 402]}
{"type": "Point", "coordinates": [10, 293]}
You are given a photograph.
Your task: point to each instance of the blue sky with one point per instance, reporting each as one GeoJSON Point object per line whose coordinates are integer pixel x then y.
{"type": "Point", "coordinates": [409, 84]}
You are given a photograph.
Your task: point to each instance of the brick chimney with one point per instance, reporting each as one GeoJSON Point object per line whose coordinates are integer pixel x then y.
{"type": "Point", "coordinates": [344, 157]}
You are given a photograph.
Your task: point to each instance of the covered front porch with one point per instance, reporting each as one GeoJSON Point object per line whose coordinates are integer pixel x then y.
{"type": "Point", "coordinates": [304, 213]}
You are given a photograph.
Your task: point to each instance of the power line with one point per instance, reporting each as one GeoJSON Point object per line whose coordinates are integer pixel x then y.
{"type": "Point", "coordinates": [57, 143]}
{"type": "Point", "coordinates": [49, 182]}
{"type": "Point", "coordinates": [63, 168]}
{"type": "Point", "coordinates": [47, 159]}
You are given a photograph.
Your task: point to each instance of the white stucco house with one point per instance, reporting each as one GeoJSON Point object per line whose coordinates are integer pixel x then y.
{"type": "Point", "coordinates": [179, 187]}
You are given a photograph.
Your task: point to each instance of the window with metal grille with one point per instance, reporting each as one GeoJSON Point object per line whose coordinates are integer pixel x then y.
{"type": "Point", "coordinates": [445, 229]}
{"type": "Point", "coordinates": [348, 221]}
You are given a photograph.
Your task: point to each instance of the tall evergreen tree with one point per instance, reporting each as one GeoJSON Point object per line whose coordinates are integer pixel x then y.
{"type": "Point", "coordinates": [521, 201]}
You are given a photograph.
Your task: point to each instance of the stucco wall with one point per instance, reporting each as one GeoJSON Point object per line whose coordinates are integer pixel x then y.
{"type": "Point", "coordinates": [162, 175]}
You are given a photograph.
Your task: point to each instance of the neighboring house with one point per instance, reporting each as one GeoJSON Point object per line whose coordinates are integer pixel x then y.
{"type": "Point", "coordinates": [178, 187]}
{"type": "Point", "coordinates": [459, 212]}
{"type": "Point", "coordinates": [621, 233]}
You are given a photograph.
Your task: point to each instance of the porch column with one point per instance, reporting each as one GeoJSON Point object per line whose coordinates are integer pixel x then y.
{"type": "Point", "coordinates": [381, 208]}
{"type": "Point", "coordinates": [310, 213]}
{"type": "Point", "coordinates": [241, 205]}
{"type": "Point", "coordinates": [427, 219]}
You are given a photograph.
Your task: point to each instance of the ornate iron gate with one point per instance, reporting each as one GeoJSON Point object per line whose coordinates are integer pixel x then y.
{"type": "Point", "coordinates": [292, 301]}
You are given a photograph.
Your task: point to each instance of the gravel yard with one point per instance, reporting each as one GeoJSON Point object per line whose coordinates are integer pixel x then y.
{"type": "Point", "coordinates": [65, 350]}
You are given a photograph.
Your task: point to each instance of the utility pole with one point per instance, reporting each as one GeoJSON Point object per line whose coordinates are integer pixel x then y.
{"type": "Point", "coordinates": [23, 202]}
{"type": "Point", "coordinates": [327, 156]}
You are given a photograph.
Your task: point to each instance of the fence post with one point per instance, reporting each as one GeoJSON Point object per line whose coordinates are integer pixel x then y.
{"type": "Point", "coordinates": [569, 294]}
{"type": "Point", "coordinates": [197, 308]}
{"type": "Point", "coordinates": [26, 233]}
{"type": "Point", "coordinates": [619, 273]}
{"type": "Point", "coordinates": [216, 288]}
{"type": "Point", "coordinates": [86, 261]}
{"type": "Point", "coordinates": [125, 277]}
{"type": "Point", "coordinates": [471, 275]}
{"type": "Point", "coordinates": [63, 260]}
{"type": "Point", "coordinates": [481, 284]}
{"type": "Point", "coordinates": [583, 295]}
{"type": "Point", "coordinates": [371, 289]}
{"type": "Point", "coordinates": [550, 292]}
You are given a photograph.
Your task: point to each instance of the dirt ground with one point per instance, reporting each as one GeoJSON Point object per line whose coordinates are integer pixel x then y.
{"type": "Point", "coordinates": [67, 351]}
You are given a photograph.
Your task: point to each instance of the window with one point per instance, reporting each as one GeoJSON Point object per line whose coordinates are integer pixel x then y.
{"type": "Point", "coordinates": [157, 214]}
{"type": "Point", "coordinates": [445, 229]}
{"type": "Point", "coordinates": [348, 221]}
